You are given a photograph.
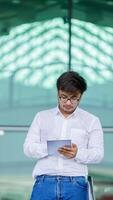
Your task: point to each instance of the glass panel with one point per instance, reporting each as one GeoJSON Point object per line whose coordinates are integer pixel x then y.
{"type": "Point", "coordinates": [34, 55]}
{"type": "Point", "coordinates": [16, 169]}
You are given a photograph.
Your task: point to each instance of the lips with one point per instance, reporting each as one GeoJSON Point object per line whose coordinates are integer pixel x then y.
{"type": "Point", "coordinates": [68, 107]}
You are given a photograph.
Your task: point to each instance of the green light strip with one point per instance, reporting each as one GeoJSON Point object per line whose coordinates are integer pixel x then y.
{"type": "Point", "coordinates": [38, 45]}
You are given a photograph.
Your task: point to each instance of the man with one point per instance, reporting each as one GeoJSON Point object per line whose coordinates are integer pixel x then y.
{"type": "Point", "coordinates": [64, 177]}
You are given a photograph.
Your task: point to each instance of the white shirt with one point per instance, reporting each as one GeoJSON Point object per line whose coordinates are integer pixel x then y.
{"type": "Point", "coordinates": [83, 128]}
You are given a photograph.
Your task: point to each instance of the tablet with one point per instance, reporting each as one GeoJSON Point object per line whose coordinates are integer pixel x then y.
{"type": "Point", "coordinates": [54, 145]}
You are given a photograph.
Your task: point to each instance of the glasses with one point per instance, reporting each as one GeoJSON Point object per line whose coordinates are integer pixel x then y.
{"type": "Point", "coordinates": [73, 100]}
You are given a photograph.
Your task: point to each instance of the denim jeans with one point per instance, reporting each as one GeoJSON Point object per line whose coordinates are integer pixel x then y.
{"type": "Point", "coordinates": [60, 188]}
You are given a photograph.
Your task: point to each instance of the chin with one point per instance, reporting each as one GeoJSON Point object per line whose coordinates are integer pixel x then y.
{"type": "Point", "coordinates": [69, 111]}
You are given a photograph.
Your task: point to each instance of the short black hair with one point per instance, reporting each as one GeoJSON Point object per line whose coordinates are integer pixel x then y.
{"type": "Point", "coordinates": [71, 82]}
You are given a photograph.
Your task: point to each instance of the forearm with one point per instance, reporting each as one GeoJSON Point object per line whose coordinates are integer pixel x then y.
{"type": "Point", "coordinates": [94, 151]}
{"type": "Point", "coordinates": [33, 147]}
{"type": "Point", "coordinates": [35, 150]}
{"type": "Point", "coordinates": [89, 156]}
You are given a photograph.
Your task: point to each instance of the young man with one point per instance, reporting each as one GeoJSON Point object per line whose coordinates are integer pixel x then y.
{"type": "Point", "coordinates": [64, 177]}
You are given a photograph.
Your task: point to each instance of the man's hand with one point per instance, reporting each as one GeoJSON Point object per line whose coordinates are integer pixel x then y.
{"type": "Point", "coordinates": [68, 152]}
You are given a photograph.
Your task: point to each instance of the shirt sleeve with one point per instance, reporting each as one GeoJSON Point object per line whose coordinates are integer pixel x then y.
{"type": "Point", "coordinates": [94, 152]}
{"type": "Point", "coordinates": [33, 147]}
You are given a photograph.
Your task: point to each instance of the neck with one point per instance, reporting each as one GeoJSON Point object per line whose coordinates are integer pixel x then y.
{"type": "Point", "coordinates": [64, 113]}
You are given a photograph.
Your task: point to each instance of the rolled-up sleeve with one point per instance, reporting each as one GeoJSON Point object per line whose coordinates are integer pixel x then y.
{"type": "Point", "coordinates": [94, 152]}
{"type": "Point", "coordinates": [33, 147]}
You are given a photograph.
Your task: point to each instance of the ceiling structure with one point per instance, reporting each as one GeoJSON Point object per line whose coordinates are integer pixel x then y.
{"type": "Point", "coordinates": [34, 43]}
{"type": "Point", "coordinates": [34, 34]}
{"type": "Point", "coordinates": [16, 12]}
{"type": "Point", "coordinates": [38, 51]}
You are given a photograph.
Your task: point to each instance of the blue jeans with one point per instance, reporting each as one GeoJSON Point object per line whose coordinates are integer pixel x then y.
{"type": "Point", "coordinates": [60, 188]}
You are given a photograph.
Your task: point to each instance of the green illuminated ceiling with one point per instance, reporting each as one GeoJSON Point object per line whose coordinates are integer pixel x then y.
{"type": "Point", "coordinates": [17, 12]}
{"type": "Point", "coordinates": [34, 40]}
{"type": "Point", "coordinates": [39, 51]}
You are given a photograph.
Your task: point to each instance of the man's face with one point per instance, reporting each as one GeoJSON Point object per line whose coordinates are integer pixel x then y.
{"type": "Point", "coordinates": [68, 101]}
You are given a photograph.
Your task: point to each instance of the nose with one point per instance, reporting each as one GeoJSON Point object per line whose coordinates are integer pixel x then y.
{"type": "Point", "coordinates": [68, 102]}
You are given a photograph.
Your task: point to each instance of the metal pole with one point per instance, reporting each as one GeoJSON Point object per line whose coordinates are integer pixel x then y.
{"type": "Point", "coordinates": [70, 2]}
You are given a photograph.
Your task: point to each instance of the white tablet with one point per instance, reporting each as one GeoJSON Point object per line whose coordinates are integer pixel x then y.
{"type": "Point", "coordinates": [54, 145]}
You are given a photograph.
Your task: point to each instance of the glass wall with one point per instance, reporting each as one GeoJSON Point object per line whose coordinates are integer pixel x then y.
{"type": "Point", "coordinates": [16, 169]}
{"type": "Point", "coordinates": [33, 55]}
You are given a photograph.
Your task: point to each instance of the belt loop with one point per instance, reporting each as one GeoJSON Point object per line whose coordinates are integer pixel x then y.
{"type": "Point", "coordinates": [86, 179]}
{"type": "Point", "coordinates": [43, 176]}
{"type": "Point", "coordinates": [58, 178]}
{"type": "Point", "coordinates": [71, 178]}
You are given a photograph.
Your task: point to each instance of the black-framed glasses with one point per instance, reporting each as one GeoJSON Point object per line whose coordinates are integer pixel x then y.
{"type": "Point", "coordinates": [73, 100]}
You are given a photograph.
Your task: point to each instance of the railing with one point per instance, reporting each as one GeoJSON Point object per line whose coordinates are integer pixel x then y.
{"type": "Point", "coordinates": [15, 169]}
{"type": "Point", "coordinates": [24, 128]}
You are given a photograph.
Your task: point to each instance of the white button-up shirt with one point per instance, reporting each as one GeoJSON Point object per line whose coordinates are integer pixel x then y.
{"type": "Point", "coordinates": [83, 128]}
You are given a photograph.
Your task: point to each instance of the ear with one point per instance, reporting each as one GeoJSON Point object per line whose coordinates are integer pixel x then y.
{"type": "Point", "coordinates": [80, 99]}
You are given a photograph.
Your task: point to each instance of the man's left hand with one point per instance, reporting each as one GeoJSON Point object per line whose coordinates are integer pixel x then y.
{"type": "Point", "coordinates": [68, 152]}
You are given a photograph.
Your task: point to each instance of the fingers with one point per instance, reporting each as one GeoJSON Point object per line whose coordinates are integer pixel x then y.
{"type": "Point", "coordinates": [68, 152]}
{"type": "Point", "coordinates": [66, 148]}
{"type": "Point", "coordinates": [72, 148]}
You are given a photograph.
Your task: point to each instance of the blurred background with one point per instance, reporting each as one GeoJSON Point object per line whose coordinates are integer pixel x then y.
{"type": "Point", "coordinates": [40, 39]}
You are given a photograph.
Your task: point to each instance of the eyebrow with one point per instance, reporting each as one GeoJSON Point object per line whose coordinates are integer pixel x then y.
{"type": "Point", "coordinates": [70, 96]}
